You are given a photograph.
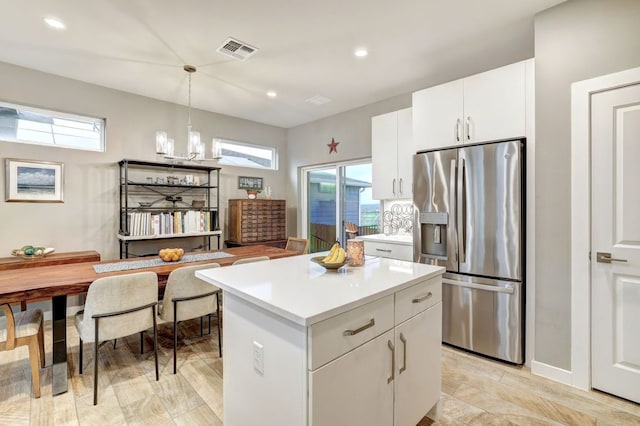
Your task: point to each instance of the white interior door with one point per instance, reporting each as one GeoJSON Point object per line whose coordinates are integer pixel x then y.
{"type": "Point", "coordinates": [615, 207]}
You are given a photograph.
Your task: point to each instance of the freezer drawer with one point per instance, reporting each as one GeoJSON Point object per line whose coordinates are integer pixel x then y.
{"type": "Point", "coordinates": [484, 316]}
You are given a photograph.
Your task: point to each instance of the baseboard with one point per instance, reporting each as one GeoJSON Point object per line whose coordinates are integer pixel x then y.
{"type": "Point", "coordinates": [550, 372]}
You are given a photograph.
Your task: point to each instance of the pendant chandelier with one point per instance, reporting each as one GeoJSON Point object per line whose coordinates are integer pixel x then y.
{"type": "Point", "coordinates": [165, 145]}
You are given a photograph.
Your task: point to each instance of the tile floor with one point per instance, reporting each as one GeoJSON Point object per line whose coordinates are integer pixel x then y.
{"type": "Point", "coordinates": [475, 391]}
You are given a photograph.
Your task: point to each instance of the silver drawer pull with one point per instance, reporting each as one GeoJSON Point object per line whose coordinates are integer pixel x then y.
{"type": "Point", "coordinates": [423, 298]}
{"type": "Point", "coordinates": [370, 324]}
{"type": "Point", "coordinates": [383, 250]}
{"type": "Point", "coordinates": [404, 354]}
{"type": "Point", "coordinates": [393, 361]}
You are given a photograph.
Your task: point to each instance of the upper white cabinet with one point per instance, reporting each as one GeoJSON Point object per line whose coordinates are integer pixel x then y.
{"type": "Point", "coordinates": [483, 107]}
{"type": "Point", "coordinates": [391, 150]}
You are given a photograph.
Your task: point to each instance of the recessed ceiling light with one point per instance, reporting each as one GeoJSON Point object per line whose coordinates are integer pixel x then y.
{"type": "Point", "coordinates": [361, 52]}
{"type": "Point", "coordinates": [54, 23]}
{"type": "Point", "coordinates": [272, 93]}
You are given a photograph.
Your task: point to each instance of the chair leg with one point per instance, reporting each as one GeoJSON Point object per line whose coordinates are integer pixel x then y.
{"type": "Point", "coordinates": [175, 336]}
{"type": "Point", "coordinates": [201, 327]}
{"type": "Point", "coordinates": [41, 343]}
{"type": "Point", "coordinates": [219, 325]}
{"type": "Point", "coordinates": [209, 327]}
{"type": "Point", "coordinates": [80, 355]}
{"type": "Point", "coordinates": [95, 364]}
{"type": "Point", "coordinates": [114, 343]}
{"type": "Point", "coordinates": [155, 341]}
{"type": "Point", "coordinates": [141, 342]}
{"type": "Point", "coordinates": [34, 351]}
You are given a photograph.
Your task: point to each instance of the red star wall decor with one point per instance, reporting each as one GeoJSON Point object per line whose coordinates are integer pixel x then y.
{"type": "Point", "coordinates": [333, 146]}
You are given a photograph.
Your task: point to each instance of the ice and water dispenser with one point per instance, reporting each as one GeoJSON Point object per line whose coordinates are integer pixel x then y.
{"type": "Point", "coordinates": [433, 231]}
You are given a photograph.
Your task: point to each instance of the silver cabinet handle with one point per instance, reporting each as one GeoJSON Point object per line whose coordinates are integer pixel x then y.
{"type": "Point", "coordinates": [400, 186]}
{"type": "Point", "coordinates": [603, 257]}
{"type": "Point", "coordinates": [458, 130]}
{"type": "Point", "coordinates": [370, 324]}
{"type": "Point", "coordinates": [404, 354]}
{"type": "Point", "coordinates": [422, 299]}
{"type": "Point", "coordinates": [383, 250]}
{"type": "Point", "coordinates": [394, 187]}
{"type": "Point", "coordinates": [393, 361]}
{"type": "Point", "coordinates": [468, 124]}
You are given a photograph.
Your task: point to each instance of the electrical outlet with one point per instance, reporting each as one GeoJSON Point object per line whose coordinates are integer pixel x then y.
{"type": "Point", "coordinates": [258, 357]}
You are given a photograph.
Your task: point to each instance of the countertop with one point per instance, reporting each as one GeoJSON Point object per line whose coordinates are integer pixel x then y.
{"type": "Point", "coordinates": [403, 239]}
{"type": "Point", "coordinates": [304, 292]}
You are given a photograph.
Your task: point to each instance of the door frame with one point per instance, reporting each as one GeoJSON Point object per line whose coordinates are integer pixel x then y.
{"type": "Point", "coordinates": [304, 194]}
{"type": "Point", "coordinates": [581, 93]}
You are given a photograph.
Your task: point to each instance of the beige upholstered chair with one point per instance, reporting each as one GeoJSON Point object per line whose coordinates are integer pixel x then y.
{"type": "Point", "coordinates": [118, 306]}
{"type": "Point", "coordinates": [187, 297]}
{"type": "Point", "coordinates": [24, 329]}
{"type": "Point", "coordinates": [251, 260]}
{"type": "Point", "coordinates": [300, 245]}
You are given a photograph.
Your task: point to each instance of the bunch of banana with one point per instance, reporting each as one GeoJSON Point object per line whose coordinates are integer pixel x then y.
{"type": "Point", "coordinates": [336, 254]}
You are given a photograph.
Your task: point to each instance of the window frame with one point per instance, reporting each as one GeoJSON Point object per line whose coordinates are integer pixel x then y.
{"type": "Point", "coordinates": [57, 115]}
{"type": "Point", "coordinates": [272, 149]}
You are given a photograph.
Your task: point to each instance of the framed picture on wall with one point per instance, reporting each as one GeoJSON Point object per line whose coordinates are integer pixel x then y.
{"type": "Point", "coordinates": [33, 181]}
{"type": "Point", "coordinates": [250, 183]}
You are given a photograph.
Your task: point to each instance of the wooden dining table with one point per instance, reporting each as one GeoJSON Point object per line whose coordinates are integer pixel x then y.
{"type": "Point", "coordinates": [59, 281]}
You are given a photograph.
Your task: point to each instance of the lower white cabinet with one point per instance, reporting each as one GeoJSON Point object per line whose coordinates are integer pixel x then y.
{"type": "Point", "coordinates": [393, 379]}
{"type": "Point", "coordinates": [355, 389]}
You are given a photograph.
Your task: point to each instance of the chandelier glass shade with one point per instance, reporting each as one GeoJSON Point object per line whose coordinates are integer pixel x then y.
{"type": "Point", "coordinates": [165, 145]}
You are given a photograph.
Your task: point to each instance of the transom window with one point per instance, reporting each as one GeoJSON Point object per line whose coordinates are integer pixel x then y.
{"type": "Point", "coordinates": [23, 124]}
{"type": "Point", "coordinates": [243, 154]}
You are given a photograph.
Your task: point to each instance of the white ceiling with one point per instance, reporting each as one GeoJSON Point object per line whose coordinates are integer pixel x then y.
{"type": "Point", "coordinates": [306, 48]}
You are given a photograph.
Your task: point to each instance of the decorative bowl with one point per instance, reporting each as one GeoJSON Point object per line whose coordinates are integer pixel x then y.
{"type": "Point", "coordinates": [171, 254]}
{"type": "Point", "coordinates": [32, 252]}
{"type": "Point", "coordinates": [197, 203]}
{"type": "Point", "coordinates": [145, 203]}
{"type": "Point", "coordinates": [330, 266]}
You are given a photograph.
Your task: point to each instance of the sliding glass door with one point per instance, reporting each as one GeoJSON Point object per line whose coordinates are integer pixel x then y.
{"type": "Point", "coordinates": [337, 200]}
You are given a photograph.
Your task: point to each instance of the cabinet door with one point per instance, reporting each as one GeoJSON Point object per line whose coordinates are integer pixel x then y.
{"type": "Point", "coordinates": [418, 369]}
{"type": "Point", "coordinates": [384, 142]}
{"type": "Point", "coordinates": [353, 389]}
{"type": "Point", "coordinates": [437, 116]}
{"type": "Point", "coordinates": [494, 104]}
{"type": "Point", "coordinates": [405, 154]}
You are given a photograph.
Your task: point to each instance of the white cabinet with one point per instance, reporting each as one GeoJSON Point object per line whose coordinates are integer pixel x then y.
{"type": "Point", "coordinates": [392, 379]}
{"type": "Point", "coordinates": [355, 388]}
{"type": "Point", "coordinates": [391, 152]}
{"type": "Point", "coordinates": [387, 249]}
{"type": "Point", "coordinates": [483, 107]}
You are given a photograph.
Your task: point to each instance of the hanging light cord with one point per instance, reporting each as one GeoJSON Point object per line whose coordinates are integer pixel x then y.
{"type": "Point", "coordinates": [190, 69]}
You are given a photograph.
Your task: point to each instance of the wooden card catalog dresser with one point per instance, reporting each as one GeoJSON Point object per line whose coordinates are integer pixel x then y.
{"type": "Point", "coordinates": [257, 221]}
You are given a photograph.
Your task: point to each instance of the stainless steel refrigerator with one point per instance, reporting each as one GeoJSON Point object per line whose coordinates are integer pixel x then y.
{"type": "Point", "coordinates": [469, 203]}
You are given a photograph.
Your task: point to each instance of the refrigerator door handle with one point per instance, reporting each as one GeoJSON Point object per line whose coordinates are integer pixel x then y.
{"type": "Point", "coordinates": [462, 212]}
{"type": "Point", "coordinates": [452, 202]}
{"type": "Point", "coordinates": [477, 286]}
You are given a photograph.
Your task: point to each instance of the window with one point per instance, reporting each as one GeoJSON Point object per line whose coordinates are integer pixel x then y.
{"type": "Point", "coordinates": [333, 195]}
{"type": "Point", "coordinates": [242, 154]}
{"type": "Point", "coordinates": [24, 124]}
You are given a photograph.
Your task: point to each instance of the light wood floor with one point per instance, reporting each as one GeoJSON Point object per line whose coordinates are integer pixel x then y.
{"type": "Point", "coordinates": [475, 391]}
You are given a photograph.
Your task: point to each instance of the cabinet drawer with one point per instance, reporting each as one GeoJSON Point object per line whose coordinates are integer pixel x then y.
{"type": "Point", "coordinates": [327, 339]}
{"type": "Point", "coordinates": [393, 251]}
{"type": "Point", "coordinates": [417, 298]}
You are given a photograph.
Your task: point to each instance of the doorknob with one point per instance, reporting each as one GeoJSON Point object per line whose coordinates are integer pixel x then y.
{"type": "Point", "coordinates": [603, 257]}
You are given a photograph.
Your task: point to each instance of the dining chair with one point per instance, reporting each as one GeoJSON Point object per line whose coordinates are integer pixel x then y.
{"type": "Point", "coordinates": [299, 245]}
{"type": "Point", "coordinates": [118, 306]}
{"type": "Point", "coordinates": [250, 260]}
{"type": "Point", "coordinates": [24, 329]}
{"type": "Point", "coordinates": [187, 297]}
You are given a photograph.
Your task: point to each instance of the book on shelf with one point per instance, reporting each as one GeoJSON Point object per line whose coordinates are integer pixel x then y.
{"type": "Point", "coordinates": [167, 223]}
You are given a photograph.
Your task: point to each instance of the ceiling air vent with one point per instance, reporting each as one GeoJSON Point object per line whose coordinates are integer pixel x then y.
{"type": "Point", "coordinates": [237, 49]}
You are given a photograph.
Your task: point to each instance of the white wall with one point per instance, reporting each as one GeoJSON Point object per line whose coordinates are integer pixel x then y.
{"type": "Point", "coordinates": [88, 218]}
{"type": "Point", "coordinates": [574, 41]}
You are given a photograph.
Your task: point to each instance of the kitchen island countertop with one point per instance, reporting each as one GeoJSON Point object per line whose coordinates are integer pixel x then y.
{"type": "Point", "coordinates": [305, 293]}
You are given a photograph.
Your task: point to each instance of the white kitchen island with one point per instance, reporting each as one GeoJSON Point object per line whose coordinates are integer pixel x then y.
{"type": "Point", "coordinates": [307, 346]}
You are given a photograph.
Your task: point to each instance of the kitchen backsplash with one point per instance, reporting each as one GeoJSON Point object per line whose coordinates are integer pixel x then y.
{"type": "Point", "coordinates": [397, 218]}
